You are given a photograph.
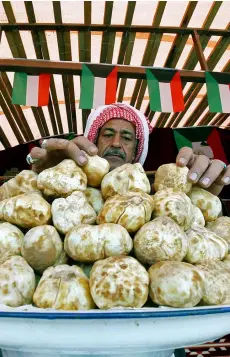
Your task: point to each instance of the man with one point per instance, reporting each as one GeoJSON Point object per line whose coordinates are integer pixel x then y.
{"type": "Point", "coordinates": [120, 133]}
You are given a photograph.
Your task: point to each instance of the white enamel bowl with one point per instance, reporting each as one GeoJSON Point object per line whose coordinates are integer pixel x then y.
{"type": "Point", "coordinates": [139, 332]}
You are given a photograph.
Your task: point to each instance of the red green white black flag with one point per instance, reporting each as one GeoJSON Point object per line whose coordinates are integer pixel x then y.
{"type": "Point", "coordinates": [31, 90]}
{"type": "Point", "coordinates": [165, 90]}
{"type": "Point", "coordinates": [98, 85]}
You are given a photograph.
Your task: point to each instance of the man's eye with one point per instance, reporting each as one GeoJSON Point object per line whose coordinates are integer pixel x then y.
{"type": "Point", "coordinates": [126, 138]}
{"type": "Point", "coordinates": [108, 135]}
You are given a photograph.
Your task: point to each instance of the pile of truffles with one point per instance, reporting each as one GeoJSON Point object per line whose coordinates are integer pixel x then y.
{"type": "Point", "coordinates": [75, 238]}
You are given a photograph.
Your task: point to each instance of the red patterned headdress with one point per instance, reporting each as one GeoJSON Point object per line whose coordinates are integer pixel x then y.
{"type": "Point", "coordinates": [105, 113]}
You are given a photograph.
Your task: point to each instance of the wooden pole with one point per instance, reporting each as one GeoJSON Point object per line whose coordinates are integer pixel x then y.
{"type": "Point", "coordinates": [199, 51]}
{"type": "Point", "coordinates": [66, 67]}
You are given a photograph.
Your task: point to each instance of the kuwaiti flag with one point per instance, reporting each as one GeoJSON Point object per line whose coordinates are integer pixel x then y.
{"type": "Point", "coordinates": [218, 91]}
{"type": "Point", "coordinates": [165, 90]}
{"type": "Point", "coordinates": [98, 85]}
{"type": "Point", "coordinates": [31, 90]}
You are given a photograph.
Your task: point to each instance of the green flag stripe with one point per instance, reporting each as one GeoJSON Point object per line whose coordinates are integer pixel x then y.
{"type": "Point", "coordinates": [19, 88]}
{"type": "Point", "coordinates": [181, 141]}
{"type": "Point", "coordinates": [154, 92]}
{"type": "Point", "coordinates": [214, 100]}
{"type": "Point", "coordinates": [87, 88]}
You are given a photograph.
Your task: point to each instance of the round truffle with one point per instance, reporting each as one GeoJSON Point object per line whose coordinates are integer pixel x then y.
{"type": "Point", "coordinates": [176, 205]}
{"type": "Point", "coordinates": [217, 283]}
{"type": "Point", "coordinates": [119, 282]}
{"type": "Point", "coordinates": [221, 226]}
{"type": "Point", "coordinates": [175, 284]}
{"type": "Point", "coordinates": [95, 169]}
{"type": "Point", "coordinates": [11, 239]}
{"type": "Point", "coordinates": [172, 176]}
{"type": "Point", "coordinates": [63, 287]}
{"type": "Point", "coordinates": [17, 282]}
{"type": "Point", "coordinates": [86, 243]}
{"type": "Point", "coordinates": [95, 199]}
{"type": "Point", "coordinates": [70, 211]}
{"type": "Point", "coordinates": [198, 218]}
{"type": "Point", "coordinates": [204, 245]}
{"type": "Point", "coordinates": [42, 247]}
{"type": "Point", "coordinates": [209, 204]}
{"type": "Point", "coordinates": [27, 210]}
{"type": "Point", "coordinates": [160, 239]}
{"type": "Point", "coordinates": [131, 210]}
{"type": "Point", "coordinates": [62, 179]}
{"type": "Point", "coordinates": [125, 178]}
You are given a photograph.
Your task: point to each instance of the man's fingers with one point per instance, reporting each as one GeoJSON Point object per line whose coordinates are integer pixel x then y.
{"type": "Point", "coordinates": [74, 153]}
{"type": "Point", "coordinates": [84, 144]}
{"type": "Point", "coordinates": [224, 178]}
{"type": "Point", "coordinates": [38, 153]}
{"type": "Point", "coordinates": [185, 157]}
{"type": "Point", "coordinates": [211, 174]}
{"type": "Point", "coordinates": [55, 144]}
{"type": "Point", "coordinates": [198, 168]}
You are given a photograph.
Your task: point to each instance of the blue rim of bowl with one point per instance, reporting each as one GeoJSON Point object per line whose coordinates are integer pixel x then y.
{"type": "Point", "coordinates": [114, 314]}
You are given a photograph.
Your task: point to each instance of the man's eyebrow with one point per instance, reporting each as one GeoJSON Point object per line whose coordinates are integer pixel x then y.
{"type": "Point", "coordinates": [124, 131]}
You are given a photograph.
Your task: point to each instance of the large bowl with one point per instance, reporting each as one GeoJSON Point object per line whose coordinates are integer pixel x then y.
{"type": "Point", "coordinates": [138, 332]}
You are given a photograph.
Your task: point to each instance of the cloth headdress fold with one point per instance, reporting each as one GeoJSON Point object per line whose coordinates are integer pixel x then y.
{"type": "Point", "coordinates": [119, 110]}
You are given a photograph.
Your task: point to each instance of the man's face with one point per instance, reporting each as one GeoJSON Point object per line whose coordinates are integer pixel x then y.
{"type": "Point", "coordinates": [117, 142]}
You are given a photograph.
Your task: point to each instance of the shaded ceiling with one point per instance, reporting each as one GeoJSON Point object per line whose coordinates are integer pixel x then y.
{"type": "Point", "coordinates": [21, 124]}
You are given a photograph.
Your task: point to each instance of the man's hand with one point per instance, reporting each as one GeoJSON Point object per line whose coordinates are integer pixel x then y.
{"type": "Point", "coordinates": [210, 175]}
{"type": "Point", "coordinates": [56, 150]}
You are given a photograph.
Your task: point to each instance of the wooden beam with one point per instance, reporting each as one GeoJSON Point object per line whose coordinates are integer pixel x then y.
{"type": "Point", "coordinates": [176, 50]}
{"type": "Point", "coordinates": [10, 119]}
{"type": "Point", "coordinates": [18, 119]}
{"type": "Point", "coordinates": [3, 138]}
{"type": "Point", "coordinates": [110, 28]}
{"type": "Point", "coordinates": [151, 50]}
{"type": "Point", "coordinates": [105, 35]}
{"type": "Point", "coordinates": [39, 54]}
{"type": "Point", "coordinates": [192, 58]}
{"type": "Point", "coordinates": [62, 50]}
{"type": "Point", "coordinates": [199, 51]}
{"type": "Point", "coordinates": [126, 47]}
{"type": "Point", "coordinates": [17, 49]}
{"type": "Point", "coordinates": [59, 67]}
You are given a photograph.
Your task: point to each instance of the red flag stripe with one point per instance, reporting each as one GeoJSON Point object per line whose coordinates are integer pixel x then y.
{"type": "Point", "coordinates": [43, 89]}
{"type": "Point", "coordinates": [177, 93]}
{"type": "Point", "coordinates": [111, 87]}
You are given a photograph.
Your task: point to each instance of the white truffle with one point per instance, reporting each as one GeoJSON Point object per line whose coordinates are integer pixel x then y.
{"type": "Point", "coordinates": [131, 210]}
{"type": "Point", "coordinates": [27, 210]}
{"type": "Point", "coordinates": [71, 211]}
{"type": "Point", "coordinates": [95, 169]}
{"type": "Point", "coordinates": [176, 205]}
{"type": "Point", "coordinates": [160, 239]}
{"type": "Point", "coordinates": [86, 243]}
{"type": "Point", "coordinates": [24, 182]}
{"type": "Point", "coordinates": [11, 239]}
{"type": "Point", "coordinates": [42, 247]}
{"type": "Point", "coordinates": [62, 179]}
{"type": "Point", "coordinates": [123, 179]}
{"type": "Point", "coordinates": [217, 283]}
{"type": "Point", "coordinates": [198, 218]}
{"type": "Point", "coordinates": [175, 284]}
{"type": "Point", "coordinates": [17, 282]}
{"type": "Point", "coordinates": [63, 287]}
{"type": "Point", "coordinates": [119, 281]}
{"type": "Point", "coordinates": [95, 199]}
{"type": "Point", "coordinates": [172, 176]}
{"type": "Point", "coordinates": [204, 245]}
{"type": "Point", "coordinates": [209, 204]}
{"type": "Point", "coordinates": [221, 226]}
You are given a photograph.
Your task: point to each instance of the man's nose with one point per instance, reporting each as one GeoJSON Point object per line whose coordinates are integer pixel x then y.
{"type": "Point", "coordinates": [116, 141]}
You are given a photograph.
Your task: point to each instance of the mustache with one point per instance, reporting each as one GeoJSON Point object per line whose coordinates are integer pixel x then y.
{"type": "Point", "coordinates": [115, 152]}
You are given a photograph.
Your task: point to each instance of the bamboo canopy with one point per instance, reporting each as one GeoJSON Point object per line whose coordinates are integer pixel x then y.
{"type": "Point", "coordinates": [57, 37]}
